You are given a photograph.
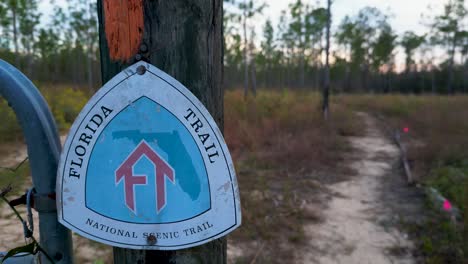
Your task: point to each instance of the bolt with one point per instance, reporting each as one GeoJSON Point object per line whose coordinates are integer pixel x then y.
{"type": "Point", "coordinates": [143, 48]}
{"type": "Point", "coordinates": [138, 57]}
{"type": "Point", "coordinates": [151, 240]}
{"type": "Point", "coordinates": [141, 70]}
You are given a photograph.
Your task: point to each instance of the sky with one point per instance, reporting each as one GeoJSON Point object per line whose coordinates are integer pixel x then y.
{"type": "Point", "coordinates": [406, 14]}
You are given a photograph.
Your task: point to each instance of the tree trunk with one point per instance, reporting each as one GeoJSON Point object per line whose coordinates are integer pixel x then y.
{"type": "Point", "coordinates": [326, 87]}
{"type": "Point", "coordinates": [347, 85]}
{"type": "Point", "coordinates": [281, 76]}
{"type": "Point", "coordinates": [89, 67]}
{"type": "Point", "coordinates": [465, 224]}
{"type": "Point", "coordinates": [422, 78]}
{"type": "Point", "coordinates": [450, 89]}
{"type": "Point", "coordinates": [465, 77]}
{"type": "Point", "coordinates": [365, 78]}
{"type": "Point", "coordinates": [246, 62]}
{"type": "Point", "coordinates": [288, 74]}
{"type": "Point", "coordinates": [389, 81]}
{"type": "Point", "coordinates": [184, 39]}
{"type": "Point", "coordinates": [89, 64]}
{"type": "Point", "coordinates": [317, 77]}
{"type": "Point", "coordinates": [254, 77]}
{"type": "Point", "coordinates": [30, 57]}
{"type": "Point", "coordinates": [15, 36]}
{"type": "Point", "coordinates": [302, 69]}
{"type": "Point", "coordinates": [77, 67]}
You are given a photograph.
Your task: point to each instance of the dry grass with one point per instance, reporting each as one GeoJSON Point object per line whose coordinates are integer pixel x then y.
{"type": "Point", "coordinates": [284, 151]}
{"type": "Point", "coordinates": [437, 125]}
{"type": "Point", "coordinates": [286, 129]}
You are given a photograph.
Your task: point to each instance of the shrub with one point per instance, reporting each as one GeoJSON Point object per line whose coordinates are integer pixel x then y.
{"type": "Point", "coordinates": [66, 104]}
{"type": "Point", "coordinates": [10, 129]}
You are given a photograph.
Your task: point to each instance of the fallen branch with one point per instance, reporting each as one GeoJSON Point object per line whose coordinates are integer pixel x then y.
{"type": "Point", "coordinates": [433, 194]}
{"type": "Point", "coordinates": [439, 201]}
{"type": "Point", "coordinates": [396, 136]}
{"type": "Point", "coordinates": [404, 158]}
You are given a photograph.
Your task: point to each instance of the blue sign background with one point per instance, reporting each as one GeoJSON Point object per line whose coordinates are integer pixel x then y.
{"type": "Point", "coordinates": [146, 120]}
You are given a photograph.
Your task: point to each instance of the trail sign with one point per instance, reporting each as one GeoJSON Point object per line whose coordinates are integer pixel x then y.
{"type": "Point", "coordinates": [145, 167]}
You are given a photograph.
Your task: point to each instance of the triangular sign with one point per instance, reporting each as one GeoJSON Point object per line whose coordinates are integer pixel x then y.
{"type": "Point", "coordinates": [145, 167]}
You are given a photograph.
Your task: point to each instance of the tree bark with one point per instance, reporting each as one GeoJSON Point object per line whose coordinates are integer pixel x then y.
{"type": "Point", "coordinates": [184, 39]}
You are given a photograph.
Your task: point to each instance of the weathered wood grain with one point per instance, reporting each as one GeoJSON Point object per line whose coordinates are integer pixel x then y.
{"type": "Point", "coordinates": [124, 27]}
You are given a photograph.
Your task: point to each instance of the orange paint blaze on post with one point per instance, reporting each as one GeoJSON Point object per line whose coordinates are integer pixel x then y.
{"type": "Point", "coordinates": [124, 27]}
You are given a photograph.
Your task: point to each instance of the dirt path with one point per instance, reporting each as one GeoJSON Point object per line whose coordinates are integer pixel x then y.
{"type": "Point", "coordinates": [361, 222]}
{"type": "Point", "coordinates": [11, 235]}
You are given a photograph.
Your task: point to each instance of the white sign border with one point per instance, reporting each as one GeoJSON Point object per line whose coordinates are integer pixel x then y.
{"type": "Point", "coordinates": [116, 81]}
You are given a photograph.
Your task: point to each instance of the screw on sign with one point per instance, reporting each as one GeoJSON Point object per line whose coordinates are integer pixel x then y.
{"type": "Point", "coordinates": [151, 239]}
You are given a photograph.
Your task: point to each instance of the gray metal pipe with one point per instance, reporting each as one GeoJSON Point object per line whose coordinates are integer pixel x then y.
{"type": "Point", "coordinates": [43, 143]}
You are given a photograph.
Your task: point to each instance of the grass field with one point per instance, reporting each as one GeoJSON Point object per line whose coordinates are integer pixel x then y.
{"type": "Point", "coordinates": [281, 138]}
{"type": "Point", "coordinates": [284, 152]}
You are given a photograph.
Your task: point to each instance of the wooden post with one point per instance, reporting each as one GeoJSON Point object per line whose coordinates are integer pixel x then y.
{"type": "Point", "coordinates": [184, 39]}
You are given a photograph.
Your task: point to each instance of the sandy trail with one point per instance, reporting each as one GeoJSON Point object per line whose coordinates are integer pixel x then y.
{"type": "Point", "coordinates": [354, 229]}
{"type": "Point", "coordinates": [11, 231]}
